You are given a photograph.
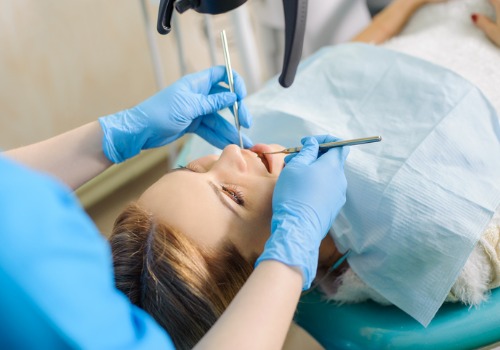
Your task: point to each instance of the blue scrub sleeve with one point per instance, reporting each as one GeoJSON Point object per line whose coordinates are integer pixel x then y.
{"type": "Point", "coordinates": [56, 274]}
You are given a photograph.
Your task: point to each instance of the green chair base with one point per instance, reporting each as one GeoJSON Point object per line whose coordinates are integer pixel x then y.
{"type": "Point", "coordinates": [372, 326]}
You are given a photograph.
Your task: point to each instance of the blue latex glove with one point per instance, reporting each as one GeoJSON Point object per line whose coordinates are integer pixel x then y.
{"type": "Point", "coordinates": [309, 194]}
{"type": "Point", "coordinates": [189, 105]}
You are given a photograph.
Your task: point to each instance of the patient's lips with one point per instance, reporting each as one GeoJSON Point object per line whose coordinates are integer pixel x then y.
{"type": "Point", "coordinates": [268, 160]}
{"type": "Point", "coordinates": [264, 161]}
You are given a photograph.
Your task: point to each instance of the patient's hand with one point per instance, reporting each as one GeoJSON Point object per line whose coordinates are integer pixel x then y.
{"type": "Point", "coordinates": [490, 28]}
{"type": "Point", "coordinates": [423, 2]}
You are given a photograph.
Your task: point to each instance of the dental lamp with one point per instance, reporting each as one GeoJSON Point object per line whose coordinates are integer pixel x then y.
{"type": "Point", "coordinates": [295, 23]}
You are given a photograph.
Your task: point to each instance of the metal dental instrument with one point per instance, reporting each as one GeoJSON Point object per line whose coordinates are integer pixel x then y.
{"type": "Point", "coordinates": [323, 147]}
{"type": "Point", "coordinates": [230, 80]}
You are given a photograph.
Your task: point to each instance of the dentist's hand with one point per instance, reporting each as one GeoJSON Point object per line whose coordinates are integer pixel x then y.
{"type": "Point", "coordinates": [189, 105]}
{"type": "Point", "coordinates": [309, 194]}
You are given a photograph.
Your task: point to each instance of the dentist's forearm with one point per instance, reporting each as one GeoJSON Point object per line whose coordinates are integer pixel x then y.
{"type": "Point", "coordinates": [74, 157]}
{"type": "Point", "coordinates": [259, 316]}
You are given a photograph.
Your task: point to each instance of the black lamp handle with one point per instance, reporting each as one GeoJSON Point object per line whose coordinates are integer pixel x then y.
{"type": "Point", "coordinates": [295, 25]}
{"type": "Point", "coordinates": [165, 12]}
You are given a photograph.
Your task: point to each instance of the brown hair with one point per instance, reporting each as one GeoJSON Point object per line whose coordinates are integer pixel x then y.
{"type": "Point", "coordinates": [184, 287]}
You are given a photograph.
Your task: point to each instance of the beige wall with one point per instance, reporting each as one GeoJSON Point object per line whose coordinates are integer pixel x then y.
{"type": "Point", "coordinates": [63, 63]}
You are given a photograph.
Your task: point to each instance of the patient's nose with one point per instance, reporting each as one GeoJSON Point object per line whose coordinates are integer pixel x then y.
{"type": "Point", "coordinates": [232, 158]}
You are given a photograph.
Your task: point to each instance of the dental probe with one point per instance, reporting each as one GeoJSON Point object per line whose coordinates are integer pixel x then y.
{"type": "Point", "coordinates": [230, 80]}
{"type": "Point", "coordinates": [323, 147]}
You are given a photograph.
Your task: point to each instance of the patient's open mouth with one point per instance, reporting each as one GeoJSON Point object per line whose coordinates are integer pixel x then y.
{"type": "Point", "coordinates": [263, 158]}
{"type": "Point", "coordinates": [266, 159]}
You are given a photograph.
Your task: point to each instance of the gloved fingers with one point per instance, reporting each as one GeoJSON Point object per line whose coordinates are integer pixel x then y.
{"type": "Point", "coordinates": [334, 152]}
{"type": "Point", "coordinates": [289, 157]}
{"type": "Point", "coordinates": [239, 86]}
{"type": "Point", "coordinates": [199, 82]}
{"type": "Point", "coordinates": [319, 139]}
{"type": "Point", "coordinates": [245, 118]}
{"type": "Point", "coordinates": [334, 156]}
{"type": "Point", "coordinates": [212, 137]}
{"type": "Point", "coordinates": [202, 82]}
{"type": "Point", "coordinates": [309, 152]}
{"type": "Point", "coordinates": [215, 89]}
{"type": "Point", "coordinates": [219, 75]}
{"type": "Point", "coordinates": [214, 103]}
{"type": "Point", "coordinates": [325, 138]}
{"type": "Point", "coordinates": [219, 132]}
{"type": "Point", "coordinates": [216, 140]}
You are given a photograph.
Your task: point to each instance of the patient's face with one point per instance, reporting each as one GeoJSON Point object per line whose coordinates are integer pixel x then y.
{"type": "Point", "coordinates": [217, 198]}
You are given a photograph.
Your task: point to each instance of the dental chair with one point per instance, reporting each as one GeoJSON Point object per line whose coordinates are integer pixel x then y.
{"type": "Point", "coordinates": [372, 326]}
{"type": "Point", "coordinates": [365, 325]}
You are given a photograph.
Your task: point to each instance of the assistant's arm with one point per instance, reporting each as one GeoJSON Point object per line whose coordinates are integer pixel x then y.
{"type": "Point", "coordinates": [269, 308]}
{"type": "Point", "coordinates": [260, 315]}
{"type": "Point", "coordinates": [74, 157]}
{"type": "Point", "coordinates": [189, 105]}
{"type": "Point", "coordinates": [390, 21]}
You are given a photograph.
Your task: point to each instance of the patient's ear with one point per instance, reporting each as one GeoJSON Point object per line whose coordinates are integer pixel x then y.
{"type": "Point", "coordinates": [298, 339]}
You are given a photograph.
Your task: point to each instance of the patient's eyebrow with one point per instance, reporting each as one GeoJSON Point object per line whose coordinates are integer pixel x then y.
{"type": "Point", "coordinates": [224, 200]}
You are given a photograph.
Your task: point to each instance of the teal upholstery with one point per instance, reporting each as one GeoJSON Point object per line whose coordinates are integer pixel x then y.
{"type": "Point", "coordinates": [372, 326]}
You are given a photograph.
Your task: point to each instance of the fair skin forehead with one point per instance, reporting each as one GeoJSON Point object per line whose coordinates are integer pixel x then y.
{"type": "Point", "coordinates": [219, 198]}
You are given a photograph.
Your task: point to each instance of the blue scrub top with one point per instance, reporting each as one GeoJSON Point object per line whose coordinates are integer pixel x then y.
{"type": "Point", "coordinates": [56, 273]}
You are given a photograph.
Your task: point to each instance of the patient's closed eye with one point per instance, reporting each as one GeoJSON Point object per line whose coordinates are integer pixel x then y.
{"type": "Point", "coordinates": [234, 193]}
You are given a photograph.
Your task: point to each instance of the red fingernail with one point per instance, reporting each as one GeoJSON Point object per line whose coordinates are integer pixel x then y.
{"type": "Point", "coordinates": [474, 18]}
